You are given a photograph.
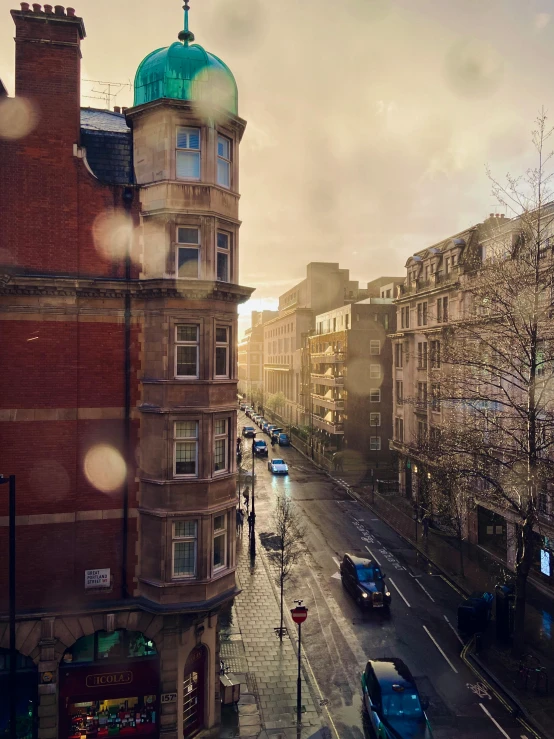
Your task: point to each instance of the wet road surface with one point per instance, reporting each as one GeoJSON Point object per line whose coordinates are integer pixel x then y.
{"type": "Point", "coordinates": [338, 637]}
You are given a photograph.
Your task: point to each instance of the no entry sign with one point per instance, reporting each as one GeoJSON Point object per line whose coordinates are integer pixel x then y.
{"type": "Point", "coordinates": [299, 614]}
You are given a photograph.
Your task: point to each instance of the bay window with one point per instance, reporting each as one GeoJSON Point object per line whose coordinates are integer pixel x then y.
{"type": "Point", "coordinates": [184, 548]}
{"type": "Point", "coordinates": [188, 252]}
{"type": "Point", "coordinates": [186, 350]}
{"type": "Point", "coordinates": [220, 543]}
{"type": "Point", "coordinates": [185, 443]}
{"type": "Point", "coordinates": [223, 161]}
{"type": "Point", "coordinates": [187, 156]}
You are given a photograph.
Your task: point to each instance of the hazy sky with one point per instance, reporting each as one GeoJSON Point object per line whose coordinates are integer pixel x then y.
{"type": "Point", "coordinates": [370, 122]}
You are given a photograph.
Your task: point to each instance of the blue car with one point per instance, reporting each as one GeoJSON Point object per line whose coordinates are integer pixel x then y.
{"type": "Point", "coordinates": [392, 702]}
{"type": "Point", "coordinates": [284, 440]}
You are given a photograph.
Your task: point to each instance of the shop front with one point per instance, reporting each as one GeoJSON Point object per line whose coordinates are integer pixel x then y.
{"type": "Point", "coordinates": [104, 698]}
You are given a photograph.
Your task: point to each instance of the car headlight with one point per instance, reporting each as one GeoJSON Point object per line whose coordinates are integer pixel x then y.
{"type": "Point", "coordinates": [364, 595]}
{"type": "Point", "coordinates": [387, 594]}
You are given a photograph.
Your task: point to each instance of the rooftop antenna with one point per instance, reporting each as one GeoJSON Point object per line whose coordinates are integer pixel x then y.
{"type": "Point", "coordinates": [186, 36]}
{"type": "Point", "coordinates": [106, 94]}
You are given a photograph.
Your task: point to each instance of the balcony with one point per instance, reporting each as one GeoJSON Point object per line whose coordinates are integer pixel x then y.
{"type": "Point", "coordinates": [328, 357]}
{"type": "Point", "coordinates": [327, 380]}
{"type": "Point", "coordinates": [332, 428]}
{"type": "Point", "coordinates": [334, 404]}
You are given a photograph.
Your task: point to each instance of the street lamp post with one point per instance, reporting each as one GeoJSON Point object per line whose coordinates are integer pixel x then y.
{"type": "Point", "coordinates": [253, 512]}
{"type": "Point", "coordinates": [299, 615]}
{"type": "Point", "coordinates": [13, 653]}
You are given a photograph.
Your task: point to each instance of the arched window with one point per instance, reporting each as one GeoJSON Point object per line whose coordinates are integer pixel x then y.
{"type": "Point", "coordinates": [110, 646]}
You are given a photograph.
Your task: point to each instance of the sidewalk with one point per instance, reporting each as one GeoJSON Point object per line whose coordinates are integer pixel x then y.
{"type": "Point", "coordinates": [266, 667]}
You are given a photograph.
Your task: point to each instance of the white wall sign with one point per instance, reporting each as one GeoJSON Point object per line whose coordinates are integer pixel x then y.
{"type": "Point", "coordinates": [97, 578]}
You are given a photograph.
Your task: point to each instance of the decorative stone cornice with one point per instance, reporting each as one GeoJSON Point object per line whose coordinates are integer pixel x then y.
{"type": "Point", "coordinates": [82, 287]}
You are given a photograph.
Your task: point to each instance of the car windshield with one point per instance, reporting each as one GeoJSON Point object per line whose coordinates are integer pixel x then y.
{"type": "Point", "coordinates": [260, 442]}
{"type": "Point", "coordinates": [282, 436]}
{"type": "Point", "coordinates": [402, 705]}
{"type": "Point", "coordinates": [369, 574]}
{"type": "Point", "coordinates": [278, 461]}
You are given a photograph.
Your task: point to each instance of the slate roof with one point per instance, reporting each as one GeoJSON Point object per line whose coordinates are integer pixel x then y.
{"type": "Point", "coordinates": [109, 145]}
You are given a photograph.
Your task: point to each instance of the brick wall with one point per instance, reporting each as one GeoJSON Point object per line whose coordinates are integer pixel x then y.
{"type": "Point", "coordinates": [65, 364]}
{"type": "Point", "coordinates": [50, 200]}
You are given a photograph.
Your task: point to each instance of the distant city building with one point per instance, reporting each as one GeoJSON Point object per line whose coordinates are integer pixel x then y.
{"type": "Point", "coordinates": [118, 307]}
{"type": "Point", "coordinates": [326, 286]}
{"type": "Point", "coordinates": [251, 357]}
{"type": "Point", "coordinates": [351, 377]}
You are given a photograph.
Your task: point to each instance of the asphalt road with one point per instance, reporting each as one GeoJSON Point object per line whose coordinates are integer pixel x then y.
{"type": "Point", "coordinates": [338, 637]}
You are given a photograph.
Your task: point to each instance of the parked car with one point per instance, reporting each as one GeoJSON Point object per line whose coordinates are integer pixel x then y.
{"type": "Point", "coordinates": [249, 432]}
{"type": "Point", "coordinates": [284, 440]}
{"type": "Point", "coordinates": [278, 467]}
{"type": "Point", "coordinates": [275, 433]}
{"type": "Point", "coordinates": [365, 581]}
{"type": "Point", "coordinates": [265, 426]}
{"type": "Point", "coordinates": [392, 701]}
{"type": "Point", "coordinates": [260, 448]}
{"type": "Point", "coordinates": [261, 422]}
{"type": "Point", "coordinates": [270, 428]}
{"type": "Point", "coordinates": [243, 406]}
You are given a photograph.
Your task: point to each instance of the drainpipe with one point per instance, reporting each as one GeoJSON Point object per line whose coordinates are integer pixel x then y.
{"type": "Point", "coordinates": [128, 194]}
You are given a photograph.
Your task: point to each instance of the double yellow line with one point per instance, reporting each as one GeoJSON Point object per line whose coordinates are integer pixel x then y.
{"type": "Point", "coordinates": [500, 698]}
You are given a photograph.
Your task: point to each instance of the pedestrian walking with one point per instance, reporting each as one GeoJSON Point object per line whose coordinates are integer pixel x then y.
{"type": "Point", "coordinates": [273, 441]}
{"type": "Point", "coordinates": [238, 520]}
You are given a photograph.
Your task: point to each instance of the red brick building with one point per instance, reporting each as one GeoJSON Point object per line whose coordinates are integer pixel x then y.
{"type": "Point", "coordinates": [118, 318]}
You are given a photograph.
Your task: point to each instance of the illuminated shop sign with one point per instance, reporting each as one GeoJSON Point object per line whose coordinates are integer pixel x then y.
{"type": "Point", "coordinates": [109, 678]}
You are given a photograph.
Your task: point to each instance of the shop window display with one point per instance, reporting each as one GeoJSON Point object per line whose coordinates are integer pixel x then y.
{"type": "Point", "coordinates": [113, 646]}
{"type": "Point", "coordinates": [113, 717]}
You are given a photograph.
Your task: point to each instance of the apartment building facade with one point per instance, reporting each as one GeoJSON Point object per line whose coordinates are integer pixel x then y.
{"type": "Point", "coordinates": [351, 379]}
{"type": "Point", "coordinates": [431, 301]}
{"type": "Point", "coordinates": [251, 358]}
{"type": "Point", "coordinates": [286, 364]}
{"type": "Point", "coordinates": [119, 250]}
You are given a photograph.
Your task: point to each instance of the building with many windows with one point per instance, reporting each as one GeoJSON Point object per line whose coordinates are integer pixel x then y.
{"type": "Point", "coordinates": [433, 298]}
{"type": "Point", "coordinates": [351, 378]}
{"type": "Point", "coordinates": [251, 357]}
{"type": "Point", "coordinates": [326, 286]}
{"type": "Point", "coordinates": [118, 302]}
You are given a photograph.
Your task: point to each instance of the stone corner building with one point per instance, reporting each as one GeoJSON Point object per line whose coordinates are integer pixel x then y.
{"type": "Point", "coordinates": [118, 308]}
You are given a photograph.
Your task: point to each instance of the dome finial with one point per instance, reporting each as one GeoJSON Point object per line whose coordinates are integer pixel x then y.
{"type": "Point", "coordinates": [186, 36]}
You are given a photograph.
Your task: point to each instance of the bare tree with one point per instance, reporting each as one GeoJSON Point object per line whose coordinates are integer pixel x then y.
{"type": "Point", "coordinates": [497, 380]}
{"type": "Point", "coordinates": [288, 544]}
{"type": "Point", "coordinates": [448, 503]}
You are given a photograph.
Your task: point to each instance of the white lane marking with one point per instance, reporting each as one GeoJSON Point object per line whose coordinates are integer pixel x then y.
{"type": "Point", "coordinates": [458, 637]}
{"type": "Point", "coordinates": [395, 586]}
{"type": "Point", "coordinates": [425, 591]}
{"type": "Point", "coordinates": [415, 576]}
{"type": "Point", "coordinates": [440, 650]}
{"type": "Point", "coordinates": [336, 561]}
{"type": "Point", "coordinates": [373, 519]}
{"type": "Point", "coordinates": [373, 556]}
{"type": "Point", "coordinates": [495, 722]}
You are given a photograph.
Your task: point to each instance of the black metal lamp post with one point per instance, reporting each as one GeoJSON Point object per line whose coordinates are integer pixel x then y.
{"type": "Point", "coordinates": [253, 512]}
{"type": "Point", "coordinates": [13, 653]}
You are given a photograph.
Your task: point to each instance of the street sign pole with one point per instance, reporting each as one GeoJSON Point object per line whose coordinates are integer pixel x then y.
{"type": "Point", "coordinates": [299, 615]}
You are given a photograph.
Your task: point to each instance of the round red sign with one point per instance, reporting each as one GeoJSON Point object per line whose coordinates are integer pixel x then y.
{"type": "Point", "coordinates": [299, 614]}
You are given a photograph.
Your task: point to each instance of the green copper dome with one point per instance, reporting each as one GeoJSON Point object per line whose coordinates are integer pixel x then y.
{"type": "Point", "coordinates": [186, 72]}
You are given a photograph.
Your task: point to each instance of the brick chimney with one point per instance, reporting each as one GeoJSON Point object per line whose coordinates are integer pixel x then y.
{"type": "Point", "coordinates": [48, 65]}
